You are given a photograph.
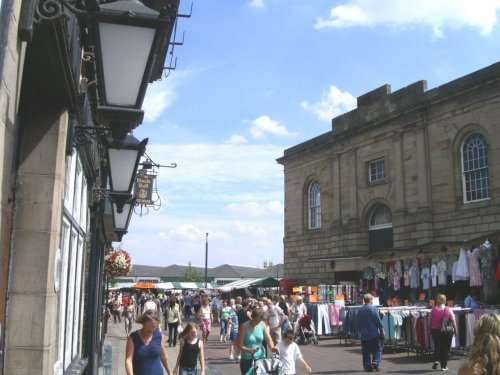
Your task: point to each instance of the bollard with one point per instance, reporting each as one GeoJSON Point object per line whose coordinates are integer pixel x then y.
{"type": "Point", "coordinates": [107, 358]}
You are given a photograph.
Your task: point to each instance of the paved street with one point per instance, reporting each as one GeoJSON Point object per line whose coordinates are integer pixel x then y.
{"type": "Point", "coordinates": [329, 357]}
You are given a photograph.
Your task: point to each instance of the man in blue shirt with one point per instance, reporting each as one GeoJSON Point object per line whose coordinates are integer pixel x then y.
{"type": "Point", "coordinates": [471, 301]}
{"type": "Point", "coordinates": [371, 332]}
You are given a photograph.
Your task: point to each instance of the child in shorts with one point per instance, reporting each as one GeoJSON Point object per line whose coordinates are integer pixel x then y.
{"type": "Point", "coordinates": [289, 353]}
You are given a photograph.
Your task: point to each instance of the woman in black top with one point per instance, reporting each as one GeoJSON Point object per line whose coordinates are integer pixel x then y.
{"type": "Point", "coordinates": [191, 349]}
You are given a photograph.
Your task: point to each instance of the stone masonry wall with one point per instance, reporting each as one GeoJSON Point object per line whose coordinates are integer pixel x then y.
{"type": "Point", "coordinates": [419, 134]}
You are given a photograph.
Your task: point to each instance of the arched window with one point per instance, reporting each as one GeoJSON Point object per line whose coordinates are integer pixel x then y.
{"type": "Point", "coordinates": [380, 229]}
{"type": "Point", "coordinates": [381, 218]}
{"type": "Point", "coordinates": [475, 168]}
{"type": "Point", "coordinates": [314, 205]}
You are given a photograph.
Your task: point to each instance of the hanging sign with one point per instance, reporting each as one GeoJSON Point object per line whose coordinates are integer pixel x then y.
{"type": "Point", "coordinates": [144, 189]}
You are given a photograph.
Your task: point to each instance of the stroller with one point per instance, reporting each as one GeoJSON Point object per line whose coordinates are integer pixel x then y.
{"type": "Point", "coordinates": [306, 334]}
{"type": "Point", "coordinates": [268, 366]}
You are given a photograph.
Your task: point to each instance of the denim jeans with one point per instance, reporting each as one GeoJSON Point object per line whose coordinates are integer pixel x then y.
{"type": "Point", "coordinates": [372, 353]}
{"type": "Point", "coordinates": [223, 327]}
{"type": "Point", "coordinates": [187, 371]}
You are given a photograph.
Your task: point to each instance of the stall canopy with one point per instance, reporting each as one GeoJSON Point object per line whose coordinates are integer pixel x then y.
{"type": "Point", "coordinates": [268, 282]}
{"type": "Point", "coordinates": [165, 285]}
{"type": "Point", "coordinates": [144, 285]}
{"type": "Point", "coordinates": [185, 285]}
{"type": "Point", "coordinates": [121, 286]}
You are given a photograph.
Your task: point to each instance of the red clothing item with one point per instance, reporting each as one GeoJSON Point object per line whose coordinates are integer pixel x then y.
{"type": "Point", "coordinates": [125, 301]}
{"type": "Point", "coordinates": [498, 271]}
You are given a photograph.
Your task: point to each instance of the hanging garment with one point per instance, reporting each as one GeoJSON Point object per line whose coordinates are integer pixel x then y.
{"type": "Point", "coordinates": [442, 272]}
{"type": "Point", "coordinates": [425, 276]}
{"type": "Point", "coordinates": [434, 275]}
{"type": "Point", "coordinates": [463, 265]}
{"type": "Point", "coordinates": [414, 275]}
{"type": "Point", "coordinates": [474, 268]}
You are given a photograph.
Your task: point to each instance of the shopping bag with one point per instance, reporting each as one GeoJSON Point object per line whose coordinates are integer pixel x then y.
{"type": "Point", "coordinates": [179, 329]}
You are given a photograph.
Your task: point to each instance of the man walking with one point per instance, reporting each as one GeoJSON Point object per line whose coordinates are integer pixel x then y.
{"type": "Point", "coordinates": [371, 332]}
{"type": "Point", "coordinates": [274, 317]}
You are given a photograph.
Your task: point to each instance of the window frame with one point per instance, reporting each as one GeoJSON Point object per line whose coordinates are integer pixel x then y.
{"type": "Point", "coordinates": [314, 211]}
{"type": "Point", "coordinates": [369, 171]}
{"type": "Point", "coordinates": [474, 170]}
{"type": "Point", "coordinates": [379, 226]}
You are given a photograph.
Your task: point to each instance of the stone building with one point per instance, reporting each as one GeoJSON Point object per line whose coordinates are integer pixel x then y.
{"type": "Point", "coordinates": [411, 171]}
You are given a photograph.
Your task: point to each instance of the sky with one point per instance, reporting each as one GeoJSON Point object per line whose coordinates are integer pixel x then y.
{"type": "Point", "coordinates": [255, 77]}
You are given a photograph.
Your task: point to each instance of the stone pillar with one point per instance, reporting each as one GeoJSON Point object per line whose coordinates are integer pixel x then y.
{"type": "Point", "coordinates": [336, 189]}
{"type": "Point", "coordinates": [32, 310]}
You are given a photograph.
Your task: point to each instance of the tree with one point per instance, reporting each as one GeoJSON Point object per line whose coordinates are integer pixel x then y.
{"type": "Point", "coordinates": [191, 275]}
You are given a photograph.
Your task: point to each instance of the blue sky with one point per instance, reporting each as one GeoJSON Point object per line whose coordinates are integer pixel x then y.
{"type": "Point", "coordinates": [256, 77]}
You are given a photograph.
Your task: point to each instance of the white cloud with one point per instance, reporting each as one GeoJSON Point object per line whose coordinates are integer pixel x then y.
{"type": "Point", "coordinates": [255, 209]}
{"type": "Point", "coordinates": [236, 139]}
{"type": "Point", "coordinates": [265, 125]}
{"type": "Point", "coordinates": [333, 103]}
{"type": "Point", "coordinates": [161, 94]}
{"type": "Point", "coordinates": [159, 97]}
{"type": "Point", "coordinates": [435, 13]}
{"type": "Point", "coordinates": [256, 3]}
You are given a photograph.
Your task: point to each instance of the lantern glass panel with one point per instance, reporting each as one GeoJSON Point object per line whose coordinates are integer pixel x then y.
{"type": "Point", "coordinates": [122, 218]}
{"type": "Point", "coordinates": [123, 164]}
{"type": "Point", "coordinates": [125, 52]}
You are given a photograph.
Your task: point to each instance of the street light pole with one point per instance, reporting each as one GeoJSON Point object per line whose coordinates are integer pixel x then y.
{"type": "Point", "coordinates": [206, 258]}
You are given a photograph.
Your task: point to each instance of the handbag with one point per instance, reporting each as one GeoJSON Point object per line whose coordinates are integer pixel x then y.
{"type": "Point", "coordinates": [447, 325]}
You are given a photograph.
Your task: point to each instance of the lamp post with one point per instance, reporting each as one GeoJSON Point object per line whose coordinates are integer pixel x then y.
{"type": "Point", "coordinates": [206, 259]}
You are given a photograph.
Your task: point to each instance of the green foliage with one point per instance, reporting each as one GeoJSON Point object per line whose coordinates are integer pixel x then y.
{"type": "Point", "coordinates": [191, 275]}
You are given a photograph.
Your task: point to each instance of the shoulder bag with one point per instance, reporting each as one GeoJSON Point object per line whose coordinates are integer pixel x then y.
{"type": "Point", "coordinates": [447, 324]}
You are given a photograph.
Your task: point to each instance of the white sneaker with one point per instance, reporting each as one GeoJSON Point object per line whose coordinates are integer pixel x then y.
{"type": "Point", "coordinates": [238, 358]}
{"type": "Point", "coordinates": [231, 357]}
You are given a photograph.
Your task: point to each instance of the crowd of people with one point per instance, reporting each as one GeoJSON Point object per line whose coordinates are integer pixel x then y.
{"type": "Point", "coordinates": [254, 328]}
{"type": "Point", "coordinates": [257, 328]}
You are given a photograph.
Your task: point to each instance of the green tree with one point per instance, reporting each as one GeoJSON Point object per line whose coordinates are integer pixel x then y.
{"type": "Point", "coordinates": [191, 275]}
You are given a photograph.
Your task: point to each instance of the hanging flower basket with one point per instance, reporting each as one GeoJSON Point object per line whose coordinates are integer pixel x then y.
{"type": "Point", "coordinates": [117, 263]}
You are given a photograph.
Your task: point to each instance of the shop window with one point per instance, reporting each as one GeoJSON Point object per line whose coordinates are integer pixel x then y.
{"type": "Point", "coordinates": [475, 169]}
{"type": "Point", "coordinates": [376, 171]}
{"type": "Point", "coordinates": [314, 205]}
{"type": "Point", "coordinates": [380, 229]}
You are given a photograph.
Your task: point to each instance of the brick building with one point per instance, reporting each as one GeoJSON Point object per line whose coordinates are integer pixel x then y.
{"type": "Point", "coordinates": [405, 173]}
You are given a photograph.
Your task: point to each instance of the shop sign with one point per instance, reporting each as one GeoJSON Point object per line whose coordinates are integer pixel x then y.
{"type": "Point", "coordinates": [144, 189]}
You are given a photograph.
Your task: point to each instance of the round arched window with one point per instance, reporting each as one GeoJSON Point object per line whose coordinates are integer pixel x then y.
{"type": "Point", "coordinates": [380, 229]}
{"type": "Point", "coordinates": [381, 218]}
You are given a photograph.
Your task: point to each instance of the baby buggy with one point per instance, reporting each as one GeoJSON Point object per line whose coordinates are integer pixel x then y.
{"type": "Point", "coordinates": [306, 333]}
{"type": "Point", "coordinates": [269, 366]}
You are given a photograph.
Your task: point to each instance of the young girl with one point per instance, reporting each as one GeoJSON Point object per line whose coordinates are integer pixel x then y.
{"type": "Point", "coordinates": [289, 353]}
{"type": "Point", "coordinates": [191, 349]}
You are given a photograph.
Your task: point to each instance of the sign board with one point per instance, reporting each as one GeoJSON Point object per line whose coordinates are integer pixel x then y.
{"type": "Point", "coordinates": [144, 189]}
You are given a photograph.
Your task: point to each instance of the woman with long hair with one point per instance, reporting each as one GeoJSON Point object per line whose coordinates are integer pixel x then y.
{"type": "Point", "coordinates": [145, 352]}
{"type": "Point", "coordinates": [190, 350]}
{"type": "Point", "coordinates": [251, 336]}
{"type": "Point", "coordinates": [442, 340]}
{"type": "Point", "coordinates": [484, 356]}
